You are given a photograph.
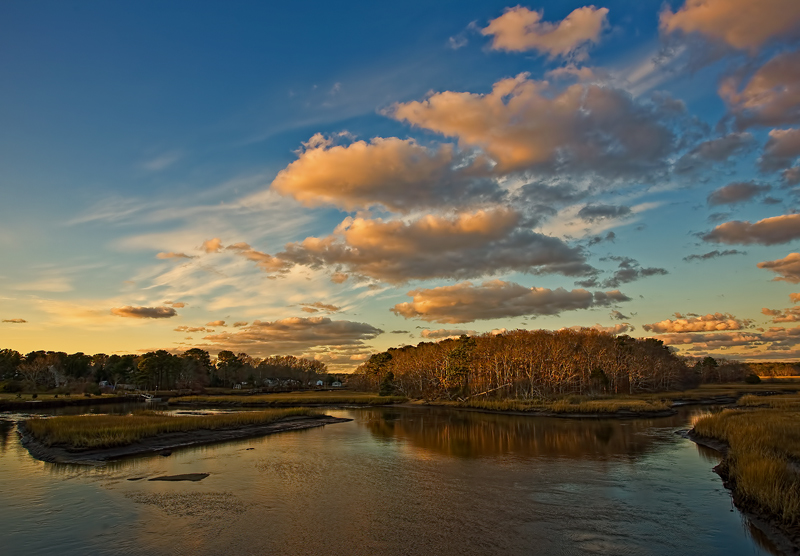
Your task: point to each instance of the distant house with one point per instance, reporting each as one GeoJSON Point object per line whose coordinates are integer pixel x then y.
{"type": "Point", "coordinates": [336, 384]}
{"type": "Point", "coordinates": [320, 383]}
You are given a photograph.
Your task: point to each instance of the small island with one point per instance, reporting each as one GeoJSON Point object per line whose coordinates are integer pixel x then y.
{"type": "Point", "coordinates": [94, 439]}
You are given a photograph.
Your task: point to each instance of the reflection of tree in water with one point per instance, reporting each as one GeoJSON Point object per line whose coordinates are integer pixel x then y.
{"type": "Point", "coordinates": [473, 434]}
{"type": "Point", "coordinates": [6, 430]}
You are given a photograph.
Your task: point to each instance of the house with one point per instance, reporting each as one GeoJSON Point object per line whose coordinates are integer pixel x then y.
{"type": "Point", "coordinates": [336, 384]}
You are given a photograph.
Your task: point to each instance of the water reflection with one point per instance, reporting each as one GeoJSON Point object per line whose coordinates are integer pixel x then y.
{"type": "Point", "coordinates": [420, 481]}
{"type": "Point", "coordinates": [469, 434]}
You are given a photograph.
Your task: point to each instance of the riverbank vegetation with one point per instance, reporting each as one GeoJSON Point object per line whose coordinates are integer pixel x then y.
{"type": "Point", "coordinates": [292, 399]}
{"type": "Point", "coordinates": [538, 364]}
{"type": "Point", "coordinates": [762, 465]}
{"type": "Point", "coordinates": [105, 431]}
{"type": "Point", "coordinates": [567, 405]}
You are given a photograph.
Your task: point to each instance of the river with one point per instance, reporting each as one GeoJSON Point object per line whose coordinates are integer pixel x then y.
{"type": "Point", "coordinates": [392, 481]}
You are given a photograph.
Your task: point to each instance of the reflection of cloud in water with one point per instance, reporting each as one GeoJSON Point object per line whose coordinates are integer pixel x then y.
{"type": "Point", "coordinates": [473, 434]}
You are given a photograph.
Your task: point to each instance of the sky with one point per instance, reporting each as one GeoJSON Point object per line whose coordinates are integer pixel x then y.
{"type": "Point", "coordinates": [333, 179]}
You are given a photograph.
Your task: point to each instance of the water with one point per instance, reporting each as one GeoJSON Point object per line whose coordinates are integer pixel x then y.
{"type": "Point", "coordinates": [392, 481]}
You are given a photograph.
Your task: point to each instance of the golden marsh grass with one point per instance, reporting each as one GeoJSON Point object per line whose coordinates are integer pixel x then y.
{"type": "Point", "coordinates": [764, 453]}
{"type": "Point", "coordinates": [105, 431]}
{"type": "Point", "coordinates": [570, 404]}
{"type": "Point", "coordinates": [282, 400]}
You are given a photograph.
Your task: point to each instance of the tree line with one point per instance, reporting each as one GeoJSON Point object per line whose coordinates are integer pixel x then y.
{"type": "Point", "coordinates": [192, 369]}
{"type": "Point", "coordinates": [537, 364]}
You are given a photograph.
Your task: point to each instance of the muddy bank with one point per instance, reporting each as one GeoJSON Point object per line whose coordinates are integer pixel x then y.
{"type": "Point", "coordinates": [786, 538]}
{"type": "Point", "coordinates": [163, 443]}
{"type": "Point", "coordinates": [623, 414]}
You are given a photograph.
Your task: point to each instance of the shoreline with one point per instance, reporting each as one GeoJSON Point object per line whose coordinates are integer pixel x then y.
{"type": "Point", "coordinates": [784, 540]}
{"type": "Point", "coordinates": [165, 443]}
{"type": "Point", "coordinates": [623, 414]}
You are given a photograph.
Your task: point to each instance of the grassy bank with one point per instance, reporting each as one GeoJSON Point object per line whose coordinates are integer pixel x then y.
{"type": "Point", "coordinates": [567, 405]}
{"type": "Point", "coordinates": [763, 461]}
{"type": "Point", "coordinates": [105, 431]}
{"type": "Point", "coordinates": [293, 399]}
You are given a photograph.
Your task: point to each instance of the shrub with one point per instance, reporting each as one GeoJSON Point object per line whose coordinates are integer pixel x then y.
{"type": "Point", "coordinates": [34, 396]}
{"type": "Point", "coordinates": [752, 378]}
{"type": "Point", "coordinates": [12, 386]}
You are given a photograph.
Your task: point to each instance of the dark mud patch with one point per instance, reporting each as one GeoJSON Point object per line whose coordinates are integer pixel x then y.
{"type": "Point", "coordinates": [194, 477]}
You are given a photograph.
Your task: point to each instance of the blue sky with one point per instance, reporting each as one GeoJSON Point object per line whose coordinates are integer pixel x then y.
{"type": "Point", "coordinates": [303, 169]}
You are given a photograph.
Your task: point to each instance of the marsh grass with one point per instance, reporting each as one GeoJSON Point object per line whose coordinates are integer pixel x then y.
{"type": "Point", "coordinates": [764, 452]}
{"type": "Point", "coordinates": [569, 404]}
{"type": "Point", "coordinates": [283, 400]}
{"type": "Point", "coordinates": [105, 431]}
{"type": "Point", "coordinates": [782, 401]}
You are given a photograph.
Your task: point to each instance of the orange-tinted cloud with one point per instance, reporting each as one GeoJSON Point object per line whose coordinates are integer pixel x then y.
{"type": "Point", "coordinates": [144, 312]}
{"type": "Point", "coordinates": [397, 173]}
{"type": "Point", "coordinates": [792, 314]}
{"type": "Point", "coordinates": [15, 321]}
{"type": "Point", "coordinates": [264, 261]}
{"type": "Point", "coordinates": [714, 151]}
{"type": "Point", "coordinates": [525, 124]}
{"type": "Point", "coordinates": [239, 323]}
{"type": "Point", "coordinates": [192, 329]}
{"type": "Point", "coordinates": [294, 335]}
{"type": "Point", "coordinates": [465, 245]}
{"type": "Point", "coordinates": [770, 98]}
{"type": "Point", "coordinates": [769, 231]}
{"type": "Point", "coordinates": [622, 328]}
{"type": "Point", "coordinates": [173, 255]}
{"type": "Point", "coordinates": [216, 323]}
{"type": "Point", "coordinates": [742, 24]}
{"type": "Point", "coordinates": [520, 29]}
{"type": "Point", "coordinates": [319, 306]}
{"type": "Point", "coordinates": [466, 302]}
{"type": "Point", "coordinates": [212, 245]}
{"type": "Point", "coordinates": [781, 152]}
{"type": "Point", "coordinates": [705, 323]}
{"type": "Point", "coordinates": [787, 268]}
{"type": "Point", "coordinates": [794, 297]}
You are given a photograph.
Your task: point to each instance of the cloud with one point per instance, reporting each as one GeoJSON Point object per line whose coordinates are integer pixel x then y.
{"type": "Point", "coordinates": [177, 305]}
{"type": "Point", "coordinates": [15, 321]}
{"type": "Point", "coordinates": [191, 329]}
{"type": "Point", "coordinates": [525, 124]}
{"type": "Point", "coordinates": [466, 302]}
{"type": "Point", "coordinates": [144, 312]}
{"type": "Point", "coordinates": [571, 71]}
{"type": "Point", "coordinates": [212, 245]}
{"type": "Point", "coordinates": [443, 333]}
{"type": "Point", "coordinates": [736, 192]}
{"type": "Point", "coordinates": [616, 315]}
{"type": "Point", "coordinates": [591, 213]}
{"type": "Point", "coordinates": [466, 245]}
{"type": "Point", "coordinates": [610, 236]}
{"type": "Point", "coordinates": [520, 29]}
{"type": "Point", "coordinates": [771, 96]}
{"type": "Point", "coordinates": [714, 150]}
{"type": "Point", "coordinates": [173, 255]}
{"type": "Point", "coordinates": [713, 255]}
{"type": "Point", "coordinates": [629, 270]}
{"type": "Point", "coordinates": [319, 306]}
{"type": "Point", "coordinates": [265, 262]}
{"type": "Point", "coordinates": [622, 328]}
{"type": "Point", "coordinates": [53, 284]}
{"type": "Point", "coordinates": [294, 335]}
{"type": "Point", "coordinates": [459, 41]}
{"type": "Point", "coordinates": [769, 231]}
{"type": "Point", "coordinates": [398, 174]}
{"type": "Point", "coordinates": [706, 323]}
{"type": "Point", "coordinates": [239, 323]}
{"type": "Point", "coordinates": [741, 24]}
{"type": "Point", "coordinates": [216, 323]}
{"type": "Point", "coordinates": [716, 341]}
{"type": "Point", "coordinates": [163, 161]}
{"type": "Point", "coordinates": [794, 297]}
{"type": "Point", "coordinates": [792, 314]}
{"type": "Point", "coordinates": [787, 268]}
{"type": "Point", "coordinates": [781, 151]}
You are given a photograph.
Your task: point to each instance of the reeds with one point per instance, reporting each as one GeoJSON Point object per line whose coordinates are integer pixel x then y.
{"type": "Point", "coordinates": [284, 400]}
{"type": "Point", "coordinates": [570, 404]}
{"type": "Point", "coordinates": [105, 431]}
{"type": "Point", "coordinates": [762, 461]}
